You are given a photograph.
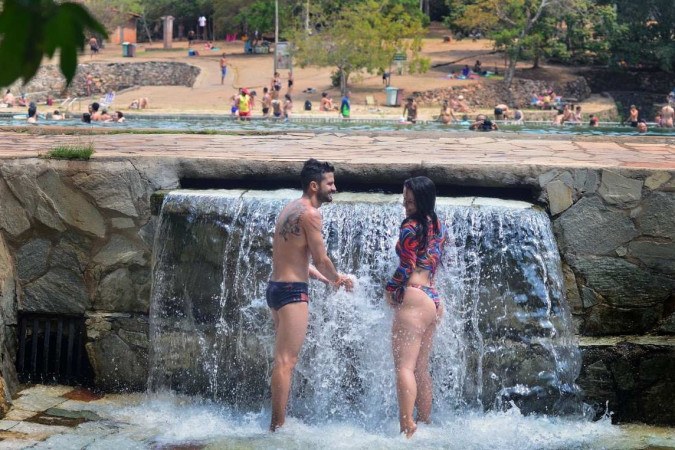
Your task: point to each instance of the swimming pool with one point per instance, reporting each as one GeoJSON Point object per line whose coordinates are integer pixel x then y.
{"type": "Point", "coordinates": [224, 123]}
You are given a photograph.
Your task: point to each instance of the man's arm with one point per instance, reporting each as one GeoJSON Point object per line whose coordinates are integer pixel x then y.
{"type": "Point", "coordinates": [312, 225]}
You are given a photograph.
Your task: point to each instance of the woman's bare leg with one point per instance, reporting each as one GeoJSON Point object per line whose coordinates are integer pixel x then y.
{"type": "Point", "coordinates": [411, 320]}
{"type": "Point", "coordinates": [423, 377]}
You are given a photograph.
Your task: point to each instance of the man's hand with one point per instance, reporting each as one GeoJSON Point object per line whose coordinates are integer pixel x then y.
{"type": "Point", "coordinates": [345, 281]}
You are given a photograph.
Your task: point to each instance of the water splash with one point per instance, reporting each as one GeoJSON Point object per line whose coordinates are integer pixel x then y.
{"type": "Point", "coordinates": [505, 339]}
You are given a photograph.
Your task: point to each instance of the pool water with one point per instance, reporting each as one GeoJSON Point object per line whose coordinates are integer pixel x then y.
{"type": "Point", "coordinates": [224, 123]}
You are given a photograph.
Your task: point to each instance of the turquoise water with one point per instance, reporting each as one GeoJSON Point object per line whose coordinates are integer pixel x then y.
{"type": "Point", "coordinates": [187, 122]}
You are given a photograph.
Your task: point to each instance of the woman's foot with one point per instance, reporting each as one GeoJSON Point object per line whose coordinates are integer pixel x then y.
{"type": "Point", "coordinates": [408, 429]}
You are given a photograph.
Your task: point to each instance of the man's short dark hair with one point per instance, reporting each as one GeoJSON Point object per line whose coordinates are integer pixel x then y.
{"type": "Point", "coordinates": [313, 170]}
{"type": "Point", "coordinates": [95, 106]}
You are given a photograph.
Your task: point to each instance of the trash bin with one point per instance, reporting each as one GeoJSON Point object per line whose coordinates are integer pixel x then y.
{"type": "Point", "coordinates": [391, 94]}
{"type": "Point", "coordinates": [131, 50]}
{"type": "Point", "coordinates": [125, 49]}
{"type": "Point", "coordinates": [399, 97]}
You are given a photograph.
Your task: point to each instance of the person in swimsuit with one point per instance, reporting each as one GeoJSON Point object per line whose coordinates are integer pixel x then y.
{"type": "Point", "coordinates": [417, 305]}
{"type": "Point", "coordinates": [633, 116]}
{"type": "Point", "coordinates": [223, 68]}
{"type": "Point", "coordinates": [297, 236]}
{"type": "Point", "coordinates": [276, 85]}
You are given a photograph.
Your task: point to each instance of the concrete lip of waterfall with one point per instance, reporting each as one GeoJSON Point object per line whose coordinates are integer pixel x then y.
{"type": "Point", "coordinates": [44, 417]}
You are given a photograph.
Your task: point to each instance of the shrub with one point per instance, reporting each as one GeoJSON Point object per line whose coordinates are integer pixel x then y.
{"type": "Point", "coordinates": [77, 152]}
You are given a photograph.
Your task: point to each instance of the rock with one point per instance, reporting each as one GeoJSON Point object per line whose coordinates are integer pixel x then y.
{"type": "Point", "coordinates": [71, 252]}
{"type": "Point", "coordinates": [620, 191]}
{"type": "Point", "coordinates": [147, 231]}
{"type": "Point", "coordinates": [559, 197]}
{"type": "Point", "coordinates": [623, 284]}
{"type": "Point", "coordinates": [116, 293]}
{"type": "Point", "coordinates": [121, 223]}
{"type": "Point", "coordinates": [571, 290]}
{"type": "Point", "coordinates": [118, 187]}
{"type": "Point", "coordinates": [60, 291]}
{"type": "Point", "coordinates": [585, 181]}
{"type": "Point", "coordinates": [656, 255]}
{"type": "Point", "coordinates": [7, 288]}
{"type": "Point", "coordinates": [120, 251]}
{"type": "Point", "coordinates": [72, 206]}
{"type": "Point", "coordinates": [667, 325]}
{"type": "Point", "coordinates": [589, 227]}
{"type": "Point", "coordinates": [589, 297]}
{"type": "Point", "coordinates": [656, 180]}
{"type": "Point", "coordinates": [657, 217]}
{"type": "Point", "coordinates": [13, 218]}
{"type": "Point", "coordinates": [22, 181]}
{"type": "Point", "coordinates": [116, 365]}
{"type": "Point", "coordinates": [31, 259]}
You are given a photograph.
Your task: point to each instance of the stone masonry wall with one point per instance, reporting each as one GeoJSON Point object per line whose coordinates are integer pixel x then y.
{"type": "Point", "coordinates": [107, 77]}
{"type": "Point", "coordinates": [76, 237]}
{"type": "Point", "coordinates": [488, 93]}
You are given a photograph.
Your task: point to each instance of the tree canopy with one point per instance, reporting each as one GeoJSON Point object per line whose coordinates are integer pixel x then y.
{"type": "Point", "coordinates": [363, 36]}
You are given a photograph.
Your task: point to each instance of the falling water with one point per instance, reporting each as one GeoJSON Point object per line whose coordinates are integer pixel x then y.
{"type": "Point", "coordinates": [504, 341]}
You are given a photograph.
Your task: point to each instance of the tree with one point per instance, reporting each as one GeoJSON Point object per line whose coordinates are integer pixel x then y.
{"type": "Point", "coordinates": [510, 24]}
{"type": "Point", "coordinates": [33, 29]}
{"type": "Point", "coordinates": [113, 13]}
{"type": "Point", "coordinates": [364, 36]}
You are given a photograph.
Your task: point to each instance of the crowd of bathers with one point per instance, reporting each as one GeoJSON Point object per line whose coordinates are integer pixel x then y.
{"type": "Point", "coordinates": [272, 104]}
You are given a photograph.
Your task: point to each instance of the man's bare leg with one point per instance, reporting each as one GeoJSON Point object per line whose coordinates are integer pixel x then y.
{"type": "Point", "coordinates": [291, 327]}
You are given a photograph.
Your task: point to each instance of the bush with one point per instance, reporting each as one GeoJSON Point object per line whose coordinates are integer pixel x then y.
{"type": "Point", "coordinates": [76, 152]}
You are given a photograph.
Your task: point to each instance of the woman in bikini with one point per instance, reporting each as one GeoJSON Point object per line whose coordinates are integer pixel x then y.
{"type": "Point", "coordinates": [417, 304]}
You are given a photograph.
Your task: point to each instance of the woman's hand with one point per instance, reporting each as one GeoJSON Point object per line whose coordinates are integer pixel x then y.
{"type": "Point", "coordinates": [344, 281]}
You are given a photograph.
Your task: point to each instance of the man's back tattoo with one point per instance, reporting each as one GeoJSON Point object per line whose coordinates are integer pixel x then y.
{"type": "Point", "coordinates": [291, 223]}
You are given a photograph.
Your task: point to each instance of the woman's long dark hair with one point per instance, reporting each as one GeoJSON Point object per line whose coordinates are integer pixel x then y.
{"type": "Point", "coordinates": [424, 191]}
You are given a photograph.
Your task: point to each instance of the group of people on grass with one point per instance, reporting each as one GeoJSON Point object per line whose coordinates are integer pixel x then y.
{"type": "Point", "coordinates": [410, 291]}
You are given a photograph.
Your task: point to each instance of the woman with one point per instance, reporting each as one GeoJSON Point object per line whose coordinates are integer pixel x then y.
{"type": "Point", "coordinates": [416, 303]}
{"type": "Point", "coordinates": [447, 114]}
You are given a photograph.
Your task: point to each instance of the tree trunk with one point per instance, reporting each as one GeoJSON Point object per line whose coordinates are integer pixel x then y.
{"type": "Point", "coordinates": [509, 74]}
{"type": "Point", "coordinates": [537, 57]}
{"type": "Point", "coordinates": [344, 76]}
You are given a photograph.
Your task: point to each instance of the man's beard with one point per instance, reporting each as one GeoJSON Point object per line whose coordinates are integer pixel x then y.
{"type": "Point", "coordinates": [325, 197]}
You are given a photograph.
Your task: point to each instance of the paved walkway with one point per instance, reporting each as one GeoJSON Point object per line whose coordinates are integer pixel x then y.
{"type": "Point", "coordinates": [450, 150]}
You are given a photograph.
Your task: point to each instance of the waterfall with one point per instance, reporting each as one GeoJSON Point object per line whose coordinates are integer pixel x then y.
{"type": "Point", "coordinates": [505, 337]}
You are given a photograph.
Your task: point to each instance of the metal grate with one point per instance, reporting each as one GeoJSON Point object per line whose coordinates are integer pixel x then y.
{"type": "Point", "coordinates": [51, 349]}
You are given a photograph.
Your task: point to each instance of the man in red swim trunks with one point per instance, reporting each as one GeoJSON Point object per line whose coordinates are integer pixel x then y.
{"type": "Point", "coordinates": [297, 236]}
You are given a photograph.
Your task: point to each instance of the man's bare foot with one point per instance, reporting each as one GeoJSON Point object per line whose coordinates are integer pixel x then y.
{"type": "Point", "coordinates": [409, 429]}
{"type": "Point", "coordinates": [274, 426]}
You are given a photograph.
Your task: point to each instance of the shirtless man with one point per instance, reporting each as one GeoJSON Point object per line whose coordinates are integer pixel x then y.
{"type": "Point", "coordinates": [266, 102]}
{"type": "Point", "coordinates": [297, 236]}
{"type": "Point", "coordinates": [8, 99]}
{"type": "Point", "coordinates": [223, 68]}
{"type": "Point", "coordinates": [667, 115]}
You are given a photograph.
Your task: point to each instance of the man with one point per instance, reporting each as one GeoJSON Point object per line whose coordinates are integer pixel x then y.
{"type": "Point", "coordinates": [345, 107]}
{"type": "Point", "coordinates": [244, 105]}
{"type": "Point", "coordinates": [93, 45]}
{"type": "Point", "coordinates": [202, 26]}
{"type": "Point", "coordinates": [223, 68]}
{"type": "Point", "coordinates": [297, 236]}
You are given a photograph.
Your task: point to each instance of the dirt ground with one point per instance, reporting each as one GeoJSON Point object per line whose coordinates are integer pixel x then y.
{"type": "Point", "coordinates": [208, 95]}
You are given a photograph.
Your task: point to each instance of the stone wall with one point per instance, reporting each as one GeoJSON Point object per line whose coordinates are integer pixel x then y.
{"type": "Point", "coordinates": [77, 237]}
{"type": "Point", "coordinates": [616, 236]}
{"type": "Point", "coordinates": [108, 77]}
{"type": "Point", "coordinates": [488, 93]}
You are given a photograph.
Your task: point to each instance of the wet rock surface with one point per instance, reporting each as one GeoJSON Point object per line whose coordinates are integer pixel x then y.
{"type": "Point", "coordinates": [635, 381]}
